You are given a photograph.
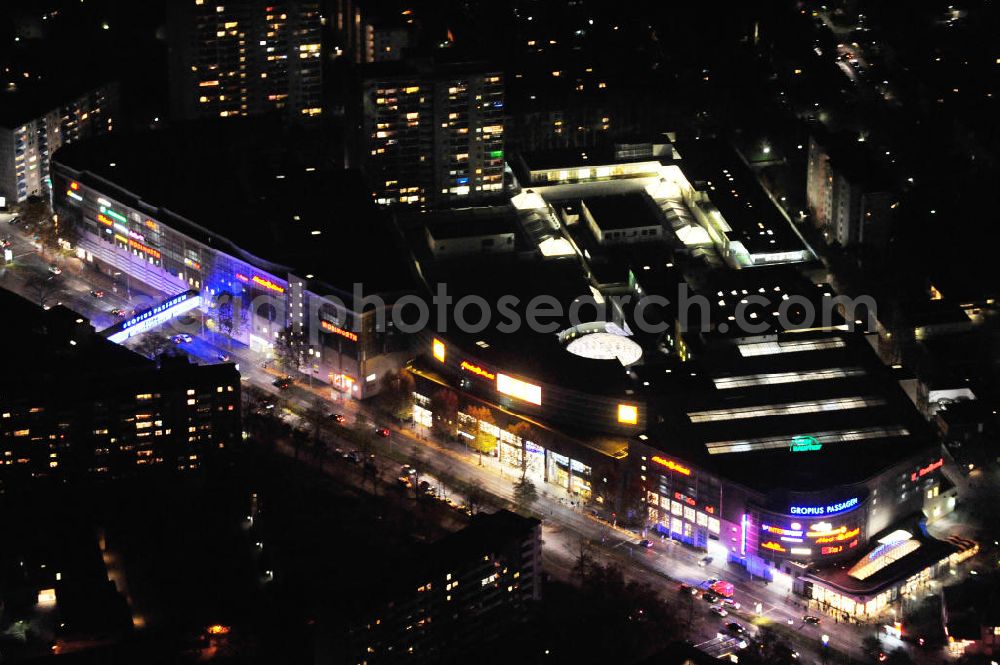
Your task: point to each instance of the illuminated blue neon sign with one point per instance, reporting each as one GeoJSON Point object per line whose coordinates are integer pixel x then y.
{"type": "Point", "coordinates": [821, 511]}
{"type": "Point", "coordinates": [153, 317]}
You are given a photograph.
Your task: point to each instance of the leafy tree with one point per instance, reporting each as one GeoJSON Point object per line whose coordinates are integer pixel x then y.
{"type": "Point", "coordinates": [475, 496]}
{"type": "Point", "coordinates": [484, 442]}
{"type": "Point", "coordinates": [363, 432]}
{"type": "Point", "coordinates": [289, 349]}
{"type": "Point", "coordinates": [769, 649]}
{"type": "Point", "coordinates": [899, 657]}
{"type": "Point", "coordinates": [444, 405]}
{"type": "Point", "coordinates": [525, 494]}
{"type": "Point", "coordinates": [230, 315]}
{"type": "Point", "coordinates": [607, 619]}
{"type": "Point", "coordinates": [396, 397]}
{"type": "Point", "coordinates": [871, 646]}
{"type": "Point", "coordinates": [35, 212]}
{"type": "Point", "coordinates": [526, 432]}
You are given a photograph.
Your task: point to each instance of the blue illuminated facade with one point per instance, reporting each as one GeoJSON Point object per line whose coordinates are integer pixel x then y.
{"type": "Point", "coordinates": [249, 299]}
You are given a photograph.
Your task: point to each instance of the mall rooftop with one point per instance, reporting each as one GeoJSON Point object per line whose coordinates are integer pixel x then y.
{"type": "Point", "coordinates": [265, 194]}
{"type": "Point", "coordinates": [795, 411]}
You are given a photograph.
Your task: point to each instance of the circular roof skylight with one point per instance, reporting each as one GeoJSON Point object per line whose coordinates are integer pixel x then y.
{"type": "Point", "coordinates": [605, 346]}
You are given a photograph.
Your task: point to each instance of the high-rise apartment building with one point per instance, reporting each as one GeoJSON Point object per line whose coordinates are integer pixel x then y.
{"type": "Point", "coordinates": [433, 133]}
{"type": "Point", "coordinates": [245, 57]}
{"type": "Point", "coordinates": [459, 595]}
{"type": "Point", "coordinates": [848, 198]}
{"type": "Point", "coordinates": [31, 130]}
{"type": "Point", "coordinates": [83, 406]}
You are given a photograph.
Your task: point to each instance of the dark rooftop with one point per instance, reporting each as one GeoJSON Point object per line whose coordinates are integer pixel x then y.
{"type": "Point", "coordinates": [714, 167]}
{"type": "Point", "coordinates": [471, 222]}
{"type": "Point", "coordinates": [623, 211]}
{"type": "Point", "coordinates": [750, 408]}
{"type": "Point", "coordinates": [268, 195]}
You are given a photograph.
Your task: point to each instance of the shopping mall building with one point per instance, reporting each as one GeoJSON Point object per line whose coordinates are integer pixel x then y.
{"type": "Point", "coordinates": [784, 446]}
{"type": "Point", "coordinates": [272, 237]}
{"type": "Point", "coordinates": [788, 449]}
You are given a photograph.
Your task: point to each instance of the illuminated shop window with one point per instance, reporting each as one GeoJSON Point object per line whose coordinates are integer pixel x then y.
{"type": "Point", "coordinates": [775, 442]}
{"type": "Point", "coordinates": [628, 414]}
{"type": "Point", "coordinates": [438, 350]}
{"type": "Point", "coordinates": [775, 378]}
{"type": "Point", "coordinates": [792, 408]}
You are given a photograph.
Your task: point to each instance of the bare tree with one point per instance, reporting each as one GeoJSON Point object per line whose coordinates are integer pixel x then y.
{"type": "Point", "coordinates": [42, 289]}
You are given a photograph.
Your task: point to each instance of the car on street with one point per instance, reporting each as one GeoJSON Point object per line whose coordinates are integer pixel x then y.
{"type": "Point", "coordinates": [730, 603]}
{"type": "Point", "coordinates": [54, 269]}
{"type": "Point", "coordinates": [119, 313]}
{"type": "Point", "coordinates": [223, 357]}
{"type": "Point", "coordinates": [283, 383]}
{"type": "Point", "coordinates": [382, 432]}
{"type": "Point", "coordinates": [6, 243]}
{"type": "Point", "coordinates": [688, 588]}
{"type": "Point", "coordinates": [355, 456]}
{"type": "Point", "coordinates": [718, 610]}
{"type": "Point", "coordinates": [704, 561]}
{"type": "Point", "coordinates": [709, 597]}
{"type": "Point", "coordinates": [183, 338]}
{"type": "Point", "coordinates": [734, 628]}
{"type": "Point", "coordinates": [645, 543]}
{"type": "Point", "coordinates": [14, 220]}
{"type": "Point", "coordinates": [336, 417]}
{"type": "Point", "coordinates": [97, 293]}
{"type": "Point", "coordinates": [812, 620]}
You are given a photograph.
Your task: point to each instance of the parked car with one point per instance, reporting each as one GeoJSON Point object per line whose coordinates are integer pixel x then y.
{"type": "Point", "coordinates": [646, 543]}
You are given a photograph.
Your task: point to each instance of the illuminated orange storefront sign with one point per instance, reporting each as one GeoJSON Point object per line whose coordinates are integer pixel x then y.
{"type": "Point", "coordinates": [329, 327]}
{"type": "Point", "coordinates": [672, 465]}
{"type": "Point", "coordinates": [477, 370]}
{"type": "Point", "coordinates": [267, 284]}
{"type": "Point", "coordinates": [846, 535]}
{"type": "Point", "coordinates": [771, 545]}
{"type": "Point", "coordinates": [135, 244]}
